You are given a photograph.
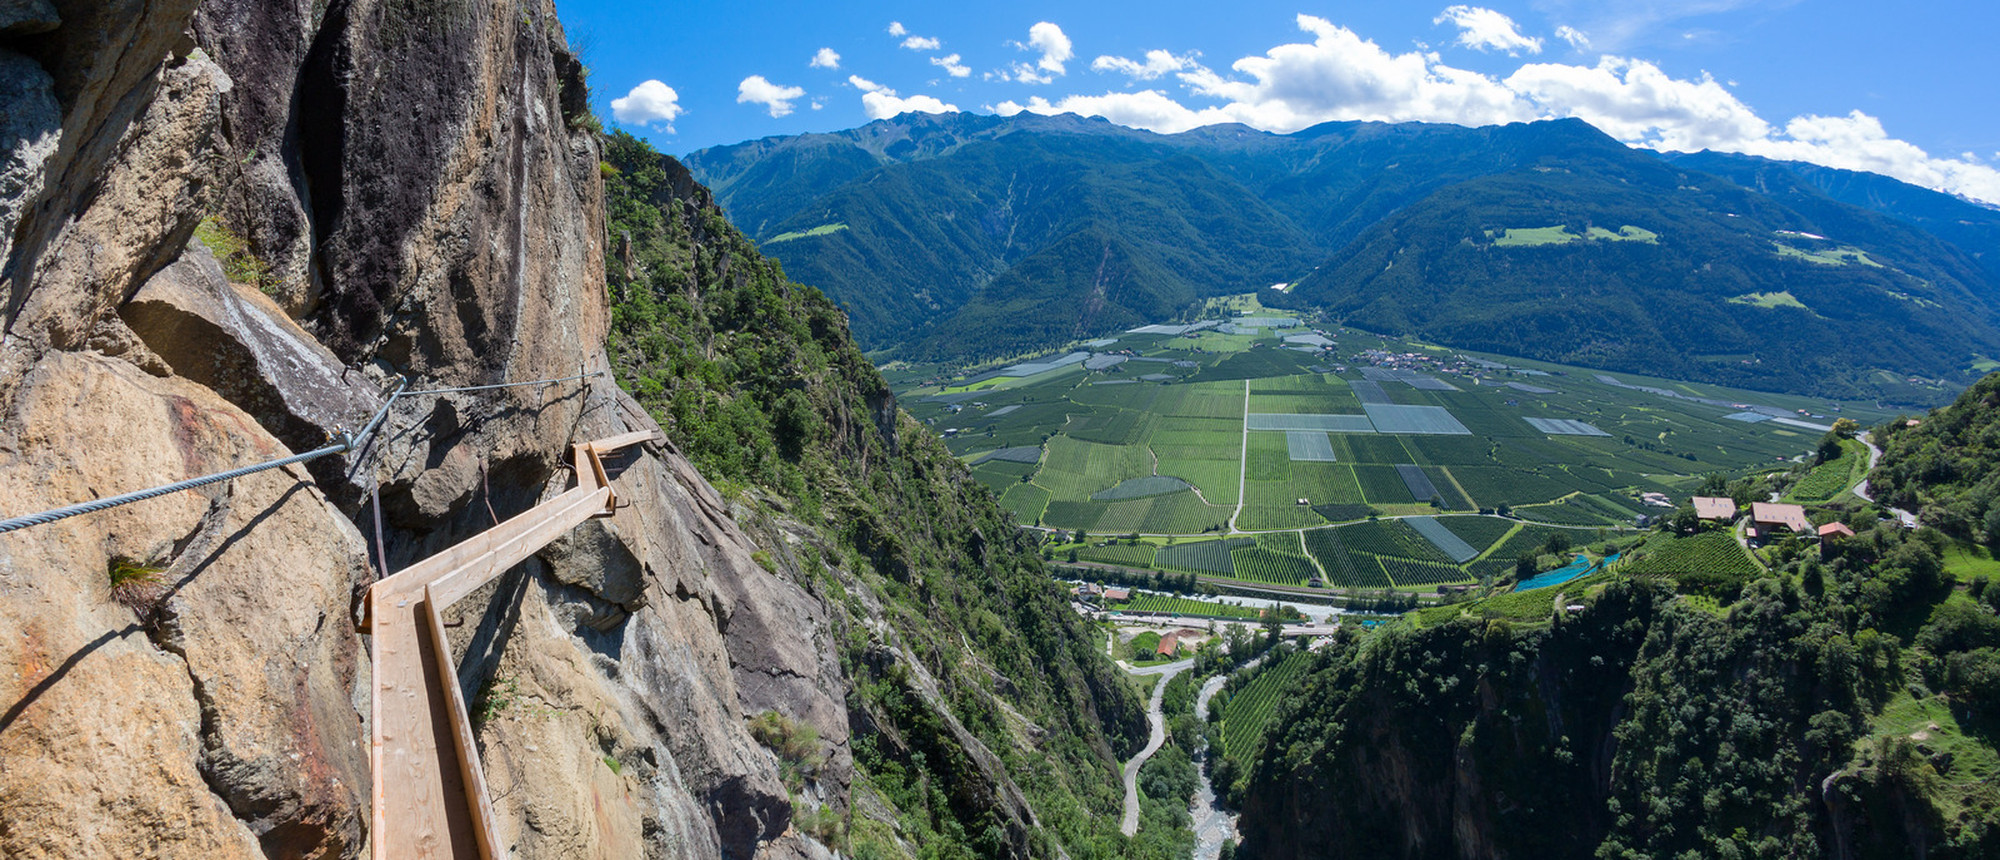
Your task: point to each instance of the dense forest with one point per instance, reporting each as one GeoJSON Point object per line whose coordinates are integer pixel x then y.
{"type": "Point", "coordinates": [1634, 264]}
{"type": "Point", "coordinates": [1948, 465]}
{"type": "Point", "coordinates": [1845, 704]}
{"type": "Point", "coordinates": [756, 380]}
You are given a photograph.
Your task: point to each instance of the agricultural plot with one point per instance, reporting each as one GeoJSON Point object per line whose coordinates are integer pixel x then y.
{"type": "Point", "coordinates": [1383, 485]}
{"type": "Point", "coordinates": [1377, 449]}
{"type": "Point", "coordinates": [1110, 426]}
{"type": "Point", "coordinates": [1177, 513]}
{"type": "Point", "coordinates": [1421, 420]}
{"type": "Point", "coordinates": [1277, 559]}
{"type": "Point", "coordinates": [1323, 423]}
{"type": "Point", "coordinates": [1139, 488]}
{"type": "Point", "coordinates": [1406, 572]}
{"type": "Point", "coordinates": [1022, 454]}
{"type": "Point", "coordinates": [1209, 556]}
{"type": "Point", "coordinates": [1419, 484]}
{"type": "Point", "coordinates": [1256, 517]}
{"type": "Point", "coordinates": [1468, 440]}
{"type": "Point", "coordinates": [1000, 475]}
{"type": "Point", "coordinates": [1452, 498]}
{"type": "Point", "coordinates": [1530, 540]}
{"type": "Point", "coordinates": [1479, 532]}
{"type": "Point", "coordinates": [1215, 478]}
{"type": "Point", "coordinates": [1492, 486]}
{"type": "Point", "coordinates": [1074, 469]}
{"type": "Point", "coordinates": [1132, 555]}
{"type": "Point", "coordinates": [1391, 538]}
{"type": "Point", "coordinates": [1713, 552]}
{"type": "Point", "coordinates": [1249, 711]}
{"type": "Point", "coordinates": [1027, 501]}
{"type": "Point", "coordinates": [1309, 446]}
{"type": "Point", "coordinates": [1201, 400]}
{"type": "Point", "coordinates": [1571, 511]}
{"type": "Point", "coordinates": [1453, 546]}
{"type": "Point", "coordinates": [1369, 392]}
{"type": "Point", "coordinates": [1832, 478]}
{"type": "Point", "coordinates": [1564, 427]}
{"type": "Point", "coordinates": [1183, 606]}
{"type": "Point", "coordinates": [1344, 569]}
{"type": "Point", "coordinates": [1451, 450]}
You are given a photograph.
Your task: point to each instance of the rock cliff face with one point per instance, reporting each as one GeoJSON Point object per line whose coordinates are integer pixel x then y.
{"type": "Point", "coordinates": [227, 226]}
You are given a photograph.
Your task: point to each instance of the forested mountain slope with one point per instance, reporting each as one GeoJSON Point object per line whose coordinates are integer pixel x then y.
{"type": "Point", "coordinates": [1843, 705]}
{"type": "Point", "coordinates": [1630, 263]}
{"type": "Point", "coordinates": [959, 237]}
{"type": "Point", "coordinates": [982, 715]}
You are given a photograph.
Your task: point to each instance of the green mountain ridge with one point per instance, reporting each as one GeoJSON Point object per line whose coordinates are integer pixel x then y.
{"type": "Point", "coordinates": [962, 242]}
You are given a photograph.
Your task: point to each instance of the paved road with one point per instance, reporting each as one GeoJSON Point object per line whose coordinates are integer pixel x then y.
{"type": "Point", "coordinates": [1909, 520]}
{"type": "Point", "coordinates": [1158, 737]}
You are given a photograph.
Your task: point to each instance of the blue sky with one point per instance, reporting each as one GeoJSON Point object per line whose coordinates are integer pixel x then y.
{"type": "Point", "coordinates": [1901, 89]}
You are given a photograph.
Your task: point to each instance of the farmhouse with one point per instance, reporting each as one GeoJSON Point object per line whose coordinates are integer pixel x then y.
{"type": "Point", "coordinates": [1768, 516]}
{"type": "Point", "coordinates": [1170, 644]}
{"type": "Point", "coordinates": [1833, 530]}
{"type": "Point", "coordinates": [1718, 508]}
{"type": "Point", "coordinates": [1117, 595]}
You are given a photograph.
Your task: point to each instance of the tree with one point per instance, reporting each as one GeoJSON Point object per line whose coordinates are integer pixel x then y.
{"type": "Point", "coordinates": [1846, 428]}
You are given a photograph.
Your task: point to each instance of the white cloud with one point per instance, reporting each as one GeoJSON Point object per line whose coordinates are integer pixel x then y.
{"type": "Point", "coordinates": [1340, 76]}
{"type": "Point", "coordinates": [1636, 102]}
{"type": "Point", "coordinates": [825, 59]}
{"type": "Point", "coordinates": [950, 63]}
{"type": "Point", "coordinates": [897, 29]}
{"type": "Point", "coordinates": [1022, 73]}
{"type": "Point", "coordinates": [921, 43]}
{"type": "Point", "coordinates": [649, 103]}
{"type": "Point", "coordinates": [1483, 29]}
{"type": "Point", "coordinates": [883, 105]}
{"type": "Point", "coordinates": [1157, 63]}
{"type": "Point", "coordinates": [1055, 47]}
{"type": "Point", "coordinates": [1574, 37]}
{"type": "Point", "coordinates": [880, 102]}
{"type": "Point", "coordinates": [1857, 141]}
{"type": "Point", "coordinates": [778, 99]}
{"type": "Point", "coordinates": [1148, 109]}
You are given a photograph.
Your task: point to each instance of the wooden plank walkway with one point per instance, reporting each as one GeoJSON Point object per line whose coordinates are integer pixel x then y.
{"type": "Point", "coordinates": [430, 797]}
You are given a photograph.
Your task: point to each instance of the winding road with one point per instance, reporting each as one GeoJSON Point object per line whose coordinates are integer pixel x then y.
{"type": "Point", "coordinates": [1154, 715]}
{"type": "Point", "coordinates": [1909, 520]}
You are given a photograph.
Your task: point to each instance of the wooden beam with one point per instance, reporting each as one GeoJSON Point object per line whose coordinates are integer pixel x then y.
{"type": "Point", "coordinates": [429, 788]}
{"type": "Point", "coordinates": [480, 803]}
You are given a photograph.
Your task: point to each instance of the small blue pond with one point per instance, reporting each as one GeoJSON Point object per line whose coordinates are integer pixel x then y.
{"type": "Point", "coordinates": [1580, 567]}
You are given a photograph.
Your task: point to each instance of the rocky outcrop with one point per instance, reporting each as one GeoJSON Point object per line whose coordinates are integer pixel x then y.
{"type": "Point", "coordinates": [182, 676]}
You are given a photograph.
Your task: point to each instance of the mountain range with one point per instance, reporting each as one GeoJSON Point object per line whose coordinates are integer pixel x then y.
{"type": "Point", "coordinates": [961, 238]}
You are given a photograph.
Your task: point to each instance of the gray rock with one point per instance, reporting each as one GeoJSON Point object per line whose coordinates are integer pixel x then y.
{"type": "Point", "coordinates": [235, 341]}
{"type": "Point", "coordinates": [27, 17]}
{"type": "Point", "coordinates": [30, 129]}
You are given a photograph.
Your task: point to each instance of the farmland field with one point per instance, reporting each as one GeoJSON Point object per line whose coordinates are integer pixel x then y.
{"type": "Point", "coordinates": [1061, 448]}
{"type": "Point", "coordinates": [1183, 606]}
{"type": "Point", "coordinates": [1248, 710]}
